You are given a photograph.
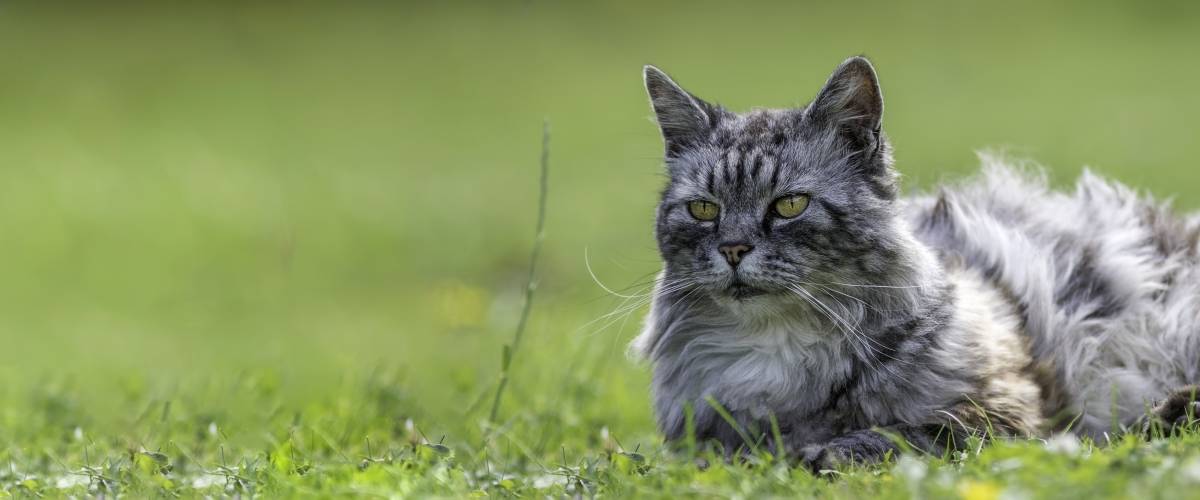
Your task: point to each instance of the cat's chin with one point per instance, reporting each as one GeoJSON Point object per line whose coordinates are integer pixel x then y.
{"type": "Point", "coordinates": [741, 291]}
{"type": "Point", "coordinates": [759, 305]}
{"type": "Point", "coordinates": [739, 295]}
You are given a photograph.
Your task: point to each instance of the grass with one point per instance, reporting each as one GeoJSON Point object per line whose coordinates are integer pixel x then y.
{"type": "Point", "coordinates": [246, 244]}
{"type": "Point", "coordinates": [361, 443]}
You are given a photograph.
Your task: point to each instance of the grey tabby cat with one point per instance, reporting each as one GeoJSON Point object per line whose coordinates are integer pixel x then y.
{"type": "Point", "coordinates": [798, 288]}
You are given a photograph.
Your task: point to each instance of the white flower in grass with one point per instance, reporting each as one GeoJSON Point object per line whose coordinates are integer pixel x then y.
{"type": "Point", "coordinates": [1190, 471]}
{"type": "Point", "coordinates": [207, 480]}
{"type": "Point", "coordinates": [70, 481]}
{"type": "Point", "coordinates": [911, 469]}
{"type": "Point", "coordinates": [1066, 444]}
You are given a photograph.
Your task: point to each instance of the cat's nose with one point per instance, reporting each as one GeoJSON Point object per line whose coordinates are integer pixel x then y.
{"type": "Point", "coordinates": [733, 252]}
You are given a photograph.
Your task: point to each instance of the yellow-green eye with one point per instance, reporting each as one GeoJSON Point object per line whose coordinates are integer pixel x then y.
{"type": "Point", "coordinates": [703, 210]}
{"type": "Point", "coordinates": [791, 206]}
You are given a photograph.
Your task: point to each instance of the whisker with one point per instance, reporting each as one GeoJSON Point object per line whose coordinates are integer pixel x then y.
{"type": "Point", "coordinates": [851, 297]}
{"type": "Point", "coordinates": [851, 330]}
{"type": "Point", "coordinates": [634, 302]}
{"type": "Point", "coordinates": [855, 342]}
{"type": "Point", "coordinates": [588, 264]}
{"type": "Point", "coordinates": [895, 287]}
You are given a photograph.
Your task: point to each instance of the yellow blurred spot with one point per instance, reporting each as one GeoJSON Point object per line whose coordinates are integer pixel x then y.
{"type": "Point", "coordinates": [461, 305]}
{"type": "Point", "coordinates": [975, 490]}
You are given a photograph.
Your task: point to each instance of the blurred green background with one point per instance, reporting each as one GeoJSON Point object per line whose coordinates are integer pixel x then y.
{"type": "Point", "coordinates": [192, 190]}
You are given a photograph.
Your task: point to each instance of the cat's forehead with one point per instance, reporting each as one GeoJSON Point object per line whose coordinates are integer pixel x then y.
{"type": "Point", "coordinates": [757, 127]}
{"type": "Point", "coordinates": [759, 152]}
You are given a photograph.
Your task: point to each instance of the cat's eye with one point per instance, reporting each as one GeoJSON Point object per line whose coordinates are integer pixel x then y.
{"type": "Point", "coordinates": [791, 206]}
{"type": "Point", "coordinates": [703, 210]}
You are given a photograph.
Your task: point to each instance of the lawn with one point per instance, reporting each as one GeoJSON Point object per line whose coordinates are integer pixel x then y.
{"type": "Point", "coordinates": [277, 250]}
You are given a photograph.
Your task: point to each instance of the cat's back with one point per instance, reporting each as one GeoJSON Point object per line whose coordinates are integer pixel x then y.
{"type": "Point", "coordinates": [1105, 280]}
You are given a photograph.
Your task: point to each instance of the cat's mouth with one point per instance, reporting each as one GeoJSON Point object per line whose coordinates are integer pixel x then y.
{"type": "Point", "coordinates": [740, 290]}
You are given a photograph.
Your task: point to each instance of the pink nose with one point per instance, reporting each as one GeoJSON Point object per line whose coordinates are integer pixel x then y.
{"type": "Point", "coordinates": [733, 252]}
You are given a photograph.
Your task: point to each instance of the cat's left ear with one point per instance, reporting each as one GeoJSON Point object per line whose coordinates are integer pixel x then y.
{"type": "Point", "coordinates": [851, 101]}
{"type": "Point", "coordinates": [683, 118]}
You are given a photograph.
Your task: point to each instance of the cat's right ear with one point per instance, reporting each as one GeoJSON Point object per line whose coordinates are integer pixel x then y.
{"type": "Point", "coordinates": [682, 117]}
{"type": "Point", "coordinates": [851, 102]}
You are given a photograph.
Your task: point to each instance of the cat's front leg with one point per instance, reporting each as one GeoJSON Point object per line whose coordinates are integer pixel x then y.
{"type": "Point", "coordinates": [871, 446]}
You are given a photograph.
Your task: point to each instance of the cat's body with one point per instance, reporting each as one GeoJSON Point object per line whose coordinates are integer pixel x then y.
{"type": "Point", "coordinates": [863, 317]}
{"type": "Point", "coordinates": [1107, 284]}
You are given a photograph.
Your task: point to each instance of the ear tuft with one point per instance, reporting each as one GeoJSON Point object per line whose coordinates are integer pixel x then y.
{"type": "Point", "coordinates": [682, 117]}
{"type": "Point", "coordinates": [852, 101]}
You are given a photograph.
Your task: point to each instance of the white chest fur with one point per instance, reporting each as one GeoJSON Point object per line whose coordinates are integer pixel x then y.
{"type": "Point", "coordinates": [763, 366]}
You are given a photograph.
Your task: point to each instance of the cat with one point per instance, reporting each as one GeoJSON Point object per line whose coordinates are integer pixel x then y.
{"type": "Point", "coordinates": [830, 318]}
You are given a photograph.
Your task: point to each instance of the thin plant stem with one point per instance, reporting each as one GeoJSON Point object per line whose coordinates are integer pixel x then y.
{"type": "Point", "coordinates": [510, 349]}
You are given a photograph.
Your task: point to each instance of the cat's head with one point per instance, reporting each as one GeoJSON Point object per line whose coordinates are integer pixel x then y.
{"type": "Point", "coordinates": [762, 202]}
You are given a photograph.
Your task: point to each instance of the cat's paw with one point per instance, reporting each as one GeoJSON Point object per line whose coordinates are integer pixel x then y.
{"type": "Point", "coordinates": [1186, 417]}
{"type": "Point", "coordinates": [1180, 409]}
{"type": "Point", "coordinates": [861, 447]}
{"type": "Point", "coordinates": [820, 457]}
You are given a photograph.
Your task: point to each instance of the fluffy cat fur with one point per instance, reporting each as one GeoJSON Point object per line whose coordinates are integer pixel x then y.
{"type": "Point", "coordinates": [994, 305]}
